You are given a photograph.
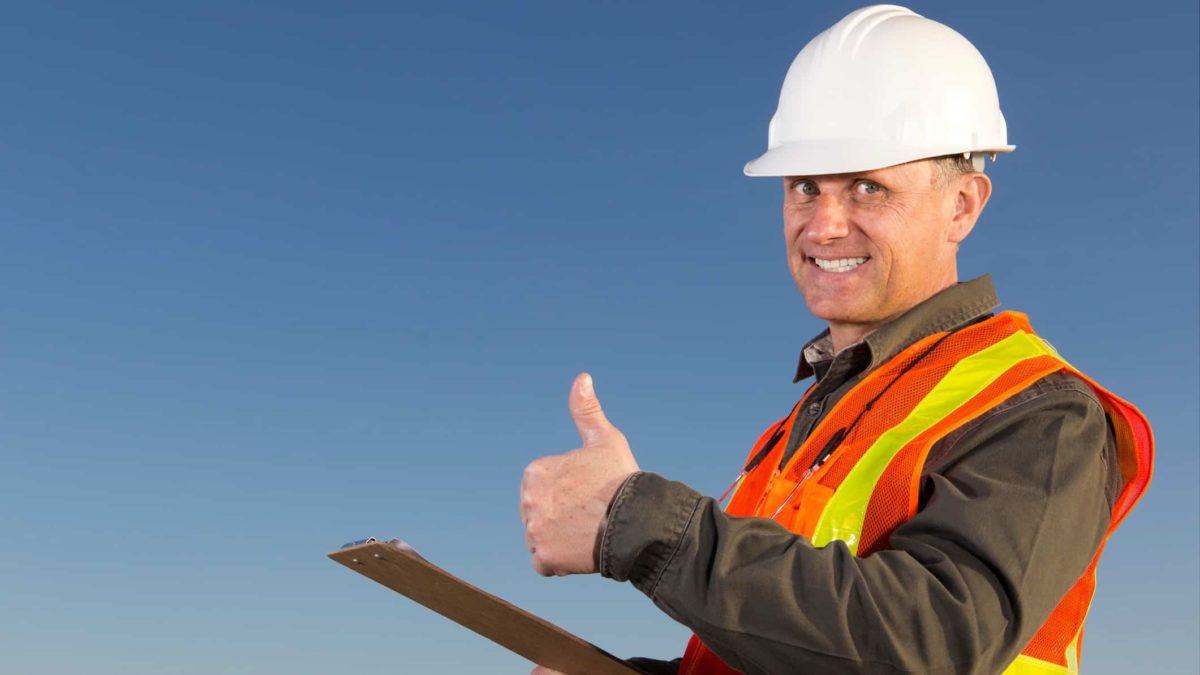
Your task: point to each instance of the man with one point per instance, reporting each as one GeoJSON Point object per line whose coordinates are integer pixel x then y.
{"type": "Point", "coordinates": [937, 501]}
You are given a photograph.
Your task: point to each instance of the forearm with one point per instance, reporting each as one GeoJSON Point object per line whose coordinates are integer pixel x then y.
{"type": "Point", "coordinates": [655, 666]}
{"type": "Point", "coordinates": [967, 583]}
{"type": "Point", "coordinates": [766, 601]}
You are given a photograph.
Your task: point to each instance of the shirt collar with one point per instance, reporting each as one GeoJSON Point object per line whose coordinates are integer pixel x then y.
{"type": "Point", "coordinates": [950, 308]}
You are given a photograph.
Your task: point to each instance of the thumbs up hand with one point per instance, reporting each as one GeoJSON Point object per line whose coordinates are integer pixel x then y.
{"type": "Point", "coordinates": [564, 498]}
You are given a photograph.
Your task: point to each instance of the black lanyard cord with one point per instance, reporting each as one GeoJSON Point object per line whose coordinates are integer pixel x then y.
{"type": "Point", "coordinates": [767, 447]}
{"type": "Point", "coordinates": [840, 435]}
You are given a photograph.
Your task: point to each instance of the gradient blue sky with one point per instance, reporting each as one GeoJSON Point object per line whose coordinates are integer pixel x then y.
{"type": "Point", "coordinates": [275, 276]}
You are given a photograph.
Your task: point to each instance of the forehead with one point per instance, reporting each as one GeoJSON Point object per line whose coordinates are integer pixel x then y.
{"type": "Point", "coordinates": [919, 171]}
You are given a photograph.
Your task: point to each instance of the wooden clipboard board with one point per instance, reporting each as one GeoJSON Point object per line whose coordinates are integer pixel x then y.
{"type": "Point", "coordinates": [397, 566]}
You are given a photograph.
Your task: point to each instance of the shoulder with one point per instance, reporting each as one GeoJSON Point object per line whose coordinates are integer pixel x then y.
{"type": "Point", "coordinates": [1059, 394]}
{"type": "Point", "coordinates": [1054, 423]}
{"type": "Point", "coordinates": [1058, 389]}
{"type": "Point", "coordinates": [1061, 401]}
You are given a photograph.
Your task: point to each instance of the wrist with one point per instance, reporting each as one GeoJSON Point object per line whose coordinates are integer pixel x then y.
{"type": "Point", "coordinates": [647, 519]}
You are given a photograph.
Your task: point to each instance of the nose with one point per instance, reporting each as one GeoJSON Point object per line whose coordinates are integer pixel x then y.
{"type": "Point", "coordinates": [829, 221]}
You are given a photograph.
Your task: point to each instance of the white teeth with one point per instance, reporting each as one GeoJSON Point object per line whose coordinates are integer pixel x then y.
{"type": "Point", "coordinates": [839, 264]}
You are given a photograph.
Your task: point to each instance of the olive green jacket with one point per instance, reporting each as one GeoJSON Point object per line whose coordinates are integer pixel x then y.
{"type": "Point", "coordinates": [1013, 506]}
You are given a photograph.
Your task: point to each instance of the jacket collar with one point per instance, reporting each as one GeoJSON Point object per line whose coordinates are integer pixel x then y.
{"type": "Point", "coordinates": [960, 304]}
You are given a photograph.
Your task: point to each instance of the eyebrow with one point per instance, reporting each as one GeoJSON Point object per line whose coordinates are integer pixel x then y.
{"type": "Point", "coordinates": [866, 175]}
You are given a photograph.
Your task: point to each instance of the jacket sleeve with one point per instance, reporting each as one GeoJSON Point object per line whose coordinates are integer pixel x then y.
{"type": "Point", "coordinates": [655, 666]}
{"type": "Point", "coordinates": [1014, 508]}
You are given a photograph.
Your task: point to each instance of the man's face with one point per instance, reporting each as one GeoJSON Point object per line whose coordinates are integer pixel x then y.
{"type": "Point", "coordinates": [865, 247]}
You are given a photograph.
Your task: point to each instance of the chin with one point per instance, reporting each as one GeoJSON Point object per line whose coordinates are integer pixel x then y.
{"type": "Point", "coordinates": [834, 313]}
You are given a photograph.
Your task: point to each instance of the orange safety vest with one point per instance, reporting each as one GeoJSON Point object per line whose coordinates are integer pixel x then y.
{"type": "Point", "coordinates": [871, 483]}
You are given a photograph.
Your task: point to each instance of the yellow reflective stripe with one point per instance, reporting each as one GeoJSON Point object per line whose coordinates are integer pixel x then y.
{"type": "Point", "coordinates": [1073, 648]}
{"type": "Point", "coordinates": [843, 516]}
{"type": "Point", "coordinates": [1027, 665]}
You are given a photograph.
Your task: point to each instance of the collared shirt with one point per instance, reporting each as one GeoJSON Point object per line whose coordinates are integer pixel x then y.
{"type": "Point", "coordinates": [1013, 507]}
{"type": "Point", "coordinates": [955, 307]}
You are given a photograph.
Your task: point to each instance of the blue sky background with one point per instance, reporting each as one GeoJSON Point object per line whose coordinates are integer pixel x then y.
{"type": "Point", "coordinates": [275, 276]}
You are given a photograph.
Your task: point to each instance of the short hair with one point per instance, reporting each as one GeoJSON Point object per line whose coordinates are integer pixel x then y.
{"type": "Point", "coordinates": [948, 167]}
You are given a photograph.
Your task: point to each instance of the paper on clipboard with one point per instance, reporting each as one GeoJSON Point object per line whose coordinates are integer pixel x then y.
{"type": "Point", "coordinates": [399, 567]}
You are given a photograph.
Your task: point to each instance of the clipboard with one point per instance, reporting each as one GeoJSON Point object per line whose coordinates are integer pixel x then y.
{"type": "Point", "coordinates": [399, 567]}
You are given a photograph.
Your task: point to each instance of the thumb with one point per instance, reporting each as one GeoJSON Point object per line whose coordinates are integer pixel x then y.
{"type": "Point", "coordinates": [594, 428]}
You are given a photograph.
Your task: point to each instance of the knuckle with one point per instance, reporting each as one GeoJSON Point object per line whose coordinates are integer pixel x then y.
{"type": "Point", "coordinates": [589, 406]}
{"type": "Point", "coordinates": [536, 470]}
{"type": "Point", "coordinates": [530, 471]}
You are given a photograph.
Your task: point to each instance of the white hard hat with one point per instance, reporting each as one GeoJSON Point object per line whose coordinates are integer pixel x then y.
{"type": "Point", "coordinates": [883, 86]}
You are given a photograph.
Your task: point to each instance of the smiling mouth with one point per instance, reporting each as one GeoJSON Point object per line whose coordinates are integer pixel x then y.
{"type": "Point", "coordinates": [838, 264]}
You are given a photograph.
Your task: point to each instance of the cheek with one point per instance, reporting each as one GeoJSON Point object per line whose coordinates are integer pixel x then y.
{"type": "Point", "coordinates": [913, 263]}
{"type": "Point", "coordinates": [793, 224]}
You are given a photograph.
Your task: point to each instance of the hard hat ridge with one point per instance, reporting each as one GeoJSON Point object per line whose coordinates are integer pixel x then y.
{"type": "Point", "coordinates": [858, 24]}
{"type": "Point", "coordinates": [883, 86]}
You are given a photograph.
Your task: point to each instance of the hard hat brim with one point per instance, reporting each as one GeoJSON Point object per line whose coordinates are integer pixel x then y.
{"type": "Point", "coordinates": [817, 158]}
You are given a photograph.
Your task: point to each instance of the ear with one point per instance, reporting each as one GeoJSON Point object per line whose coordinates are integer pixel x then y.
{"type": "Point", "coordinates": [971, 193]}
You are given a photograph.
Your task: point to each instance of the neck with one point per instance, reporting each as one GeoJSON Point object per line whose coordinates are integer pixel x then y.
{"type": "Point", "coordinates": [844, 334]}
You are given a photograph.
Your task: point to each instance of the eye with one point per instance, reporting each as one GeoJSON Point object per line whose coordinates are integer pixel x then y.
{"type": "Point", "coordinates": [805, 189]}
{"type": "Point", "coordinates": [867, 191]}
